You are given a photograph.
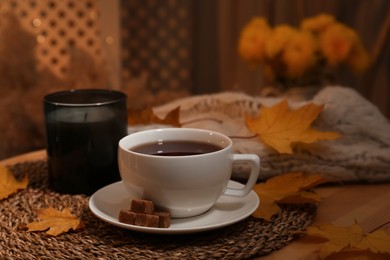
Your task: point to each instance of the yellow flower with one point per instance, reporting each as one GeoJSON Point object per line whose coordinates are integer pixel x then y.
{"type": "Point", "coordinates": [291, 55]}
{"type": "Point", "coordinates": [299, 54]}
{"type": "Point", "coordinates": [251, 46]}
{"type": "Point", "coordinates": [278, 39]}
{"type": "Point", "coordinates": [359, 59]}
{"type": "Point", "coordinates": [317, 23]}
{"type": "Point", "coordinates": [336, 43]}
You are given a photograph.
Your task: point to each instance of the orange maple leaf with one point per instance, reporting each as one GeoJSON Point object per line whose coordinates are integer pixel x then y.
{"type": "Point", "coordinates": [289, 188]}
{"type": "Point", "coordinates": [147, 116]}
{"type": "Point", "coordinates": [349, 239]}
{"type": "Point", "coordinates": [377, 242]}
{"type": "Point", "coordinates": [8, 183]}
{"type": "Point", "coordinates": [279, 127]}
{"type": "Point", "coordinates": [55, 222]}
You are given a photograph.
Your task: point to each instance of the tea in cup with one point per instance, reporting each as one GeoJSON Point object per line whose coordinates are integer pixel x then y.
{"type": "Point", "coordinates": [182, 170]}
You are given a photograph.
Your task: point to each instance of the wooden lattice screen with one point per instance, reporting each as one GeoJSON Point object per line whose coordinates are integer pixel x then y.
{"type": "Point", "coordinates": [157, 40]}
{"type": "Point", "coordinates": [59, 28]}
{"type": "Point", "coordinates": [132, 37]}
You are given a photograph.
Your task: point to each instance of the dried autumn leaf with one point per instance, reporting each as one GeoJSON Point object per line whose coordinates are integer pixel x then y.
{"type": "Point", "coordinates": [55, 222]}
{"type": "Point", "coordinates": [290, 188]}
{"type": "Point", "coordinates": [376, 242]}
{"type": "Point", "coordinates": [147, 116]}
{"type": "Point", "coordinates": [347, 239]}
{"type": "Point", "coordinates": [301, 198]}
{"type": "Point", "coordinates": [141, 117]}
{"type": "Point", "coordinates": [171, 118]}
{"type": "Point", "coordinates": [279, 127]}
{"type": "Point", "coordinates": [338, 238]}
{"type": "Point", "coordinates": [8, 183]}
{"type": "Point", "coordinates": [267, 208]}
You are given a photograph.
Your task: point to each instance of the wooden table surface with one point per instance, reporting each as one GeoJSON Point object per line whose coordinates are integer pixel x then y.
{"type": "Point", "coordinates": [368, 204]}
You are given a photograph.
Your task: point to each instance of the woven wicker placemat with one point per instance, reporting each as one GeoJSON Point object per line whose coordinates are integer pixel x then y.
{"type": "Point", "coordinates": [99, 240]}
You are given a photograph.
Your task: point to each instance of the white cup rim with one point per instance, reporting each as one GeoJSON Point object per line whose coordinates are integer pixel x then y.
{"type": "Point", "coordinates": [123, 143]}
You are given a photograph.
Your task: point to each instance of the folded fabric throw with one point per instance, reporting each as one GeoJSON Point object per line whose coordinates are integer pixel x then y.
{"type": "Point", "coordinates": [361, 154]}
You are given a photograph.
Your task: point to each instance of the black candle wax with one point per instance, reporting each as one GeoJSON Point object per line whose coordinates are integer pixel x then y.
{"type": "Point", "coordinates": [82, 145]}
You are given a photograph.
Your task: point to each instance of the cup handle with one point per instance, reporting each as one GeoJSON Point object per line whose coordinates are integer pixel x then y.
{"type": "Point", "coordinates": [254, 162]}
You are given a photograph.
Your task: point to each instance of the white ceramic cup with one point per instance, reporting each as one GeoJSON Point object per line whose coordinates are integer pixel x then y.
{"type": "Point", "coordinates": [184, 185]}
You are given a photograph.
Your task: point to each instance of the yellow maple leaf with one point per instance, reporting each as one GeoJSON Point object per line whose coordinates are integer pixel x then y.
{"type": "Point", "coordinates": [55, 222]}
{"type": "Point", "coordinates": [290, 188]}
{"type": "Point", "coordinates": [338, 238]}
{"type": "Point", "coordinates": [141, 117]}
{"type": "Point", "coordinates": [8, 183]}
{"type": "Point", "coordinates": [147, 116]}
{"type": "Point", "coordinates": [279, 127]}
{"type": "Point", "coordinates": [377, 242]}
{"type": "Point", "coordinates": [348, 239]}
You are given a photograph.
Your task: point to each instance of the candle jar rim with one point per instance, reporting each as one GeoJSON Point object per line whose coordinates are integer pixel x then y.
{"type": "Point", "coordinates": [84, 97]}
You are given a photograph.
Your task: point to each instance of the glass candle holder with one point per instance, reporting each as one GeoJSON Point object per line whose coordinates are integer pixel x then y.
{"type": "Point", "coordinates": [83, 128]}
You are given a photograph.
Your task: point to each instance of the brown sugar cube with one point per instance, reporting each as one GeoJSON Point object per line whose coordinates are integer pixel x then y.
{"type": "Point", "coordinates": [164, 218]}
{"type": "Point", "coordinates": [126, 216]}
{"type": "Point", "coordinates": [142, 206]}
{"type": "Point", "coordinates": [146, 220]}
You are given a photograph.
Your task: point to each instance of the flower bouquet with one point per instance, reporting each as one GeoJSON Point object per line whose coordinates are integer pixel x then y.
{"type": "Point", "coordinates": [304, 56]}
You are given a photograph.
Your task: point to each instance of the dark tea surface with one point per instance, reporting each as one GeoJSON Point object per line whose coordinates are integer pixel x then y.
{"type": "Point", "coordinates": [176, 148]}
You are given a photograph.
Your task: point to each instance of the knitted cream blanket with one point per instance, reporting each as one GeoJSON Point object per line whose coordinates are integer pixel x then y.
{"type": "Point", "coordinates": [362, 154]}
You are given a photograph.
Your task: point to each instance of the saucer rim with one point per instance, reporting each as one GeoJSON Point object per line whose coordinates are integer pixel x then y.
{"type": "Point", "coordinates": [252, 198]}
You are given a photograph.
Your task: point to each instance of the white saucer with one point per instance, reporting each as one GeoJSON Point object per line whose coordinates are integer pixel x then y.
{"type": "Point", "coordinates": [108, 201]}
